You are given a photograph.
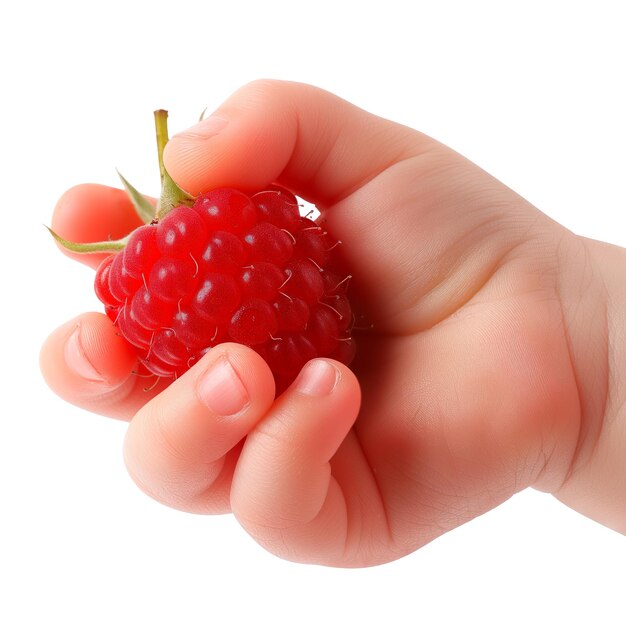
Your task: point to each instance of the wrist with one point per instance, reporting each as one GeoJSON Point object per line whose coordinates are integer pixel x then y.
{"type": "Point", "coordinates": [593, 296]}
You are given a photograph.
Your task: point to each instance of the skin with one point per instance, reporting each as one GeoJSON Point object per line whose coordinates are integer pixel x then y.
{"type": "Point", "coordinates": [489, 359]}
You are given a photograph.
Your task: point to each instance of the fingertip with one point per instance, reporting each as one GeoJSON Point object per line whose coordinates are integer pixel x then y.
{"type": "Point", "coordinates": [330, 391]}
{"type": "Point", "coordinates": [322, 404]}
{"type": "Point", "coordinates": [251, 368]}
{"type": "Point", "coordinates": [318, 377]}
{"type": "Point", "coordinates": [85, 358]}
{"type": "Point", "coordinates": [111, 355]}
{"type": "Point", "coordinates": [192, 156]}
{"type": "Point", "coordinates": [217, 152]}
{"type": "Point", "coordinates": [91, 212]}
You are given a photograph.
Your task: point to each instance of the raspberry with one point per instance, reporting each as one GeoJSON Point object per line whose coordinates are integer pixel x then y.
{"type": "Point", "coordinates": [179, 288]}
{"type": "Point", "coordinates": [225, 266]}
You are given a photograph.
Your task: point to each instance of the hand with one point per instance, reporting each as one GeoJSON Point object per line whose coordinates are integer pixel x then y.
{"type": "Point", "coordinates": [491, 363]}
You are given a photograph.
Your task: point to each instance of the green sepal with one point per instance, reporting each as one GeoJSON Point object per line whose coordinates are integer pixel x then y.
{"type": "Point", "coordinates": [171, 194]}
{"type": "Point", "coordinates": [144, 209]}
{"type": "Point", "coordinates": [93, 247]}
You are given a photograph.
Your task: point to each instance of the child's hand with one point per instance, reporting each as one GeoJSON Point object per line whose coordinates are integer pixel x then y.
{"type": "Point", "coordinates": [494, 360]}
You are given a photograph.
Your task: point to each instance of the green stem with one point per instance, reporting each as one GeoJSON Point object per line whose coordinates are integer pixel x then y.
{"type": "Point", "coordinates": [160, 122]}
{"type": "Point", "coordinates": [172, 195]}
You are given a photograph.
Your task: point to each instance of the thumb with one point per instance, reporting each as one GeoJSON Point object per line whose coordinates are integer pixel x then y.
{"type": "Point", "coordinates": [439, 224]}
{"type": "Point", "coordinates": [306, 138]}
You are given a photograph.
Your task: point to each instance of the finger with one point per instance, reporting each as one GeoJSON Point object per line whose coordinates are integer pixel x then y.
{"type": "Point", "coordinates": [90, 212]}
{"type": "Point", "coordinates": [440, 225]}
{"type": "Point", "coordinates": [88, 364]}
{"type": "Point", "coordinates": [305, 137]}
{"type": "Point", "coordinates": [181, 446]}
{"type": "Point", "coordinates": [283, 492]}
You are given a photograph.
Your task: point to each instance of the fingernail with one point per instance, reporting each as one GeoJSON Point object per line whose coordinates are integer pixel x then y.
{"type": "Point", "coordinates": [221, 389]}
{"type": "Point", "coordinates": [205, 129]}
{"type": "Point", "coordinates": [77, 360]}
{"type": "Point", "coordinates": [318, 378]}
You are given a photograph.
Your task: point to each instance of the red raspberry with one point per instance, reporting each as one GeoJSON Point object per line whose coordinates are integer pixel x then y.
{"type": "Point", "coordinates": [225, 266]}
{"type": "Point", "coordinates": [188, 282]}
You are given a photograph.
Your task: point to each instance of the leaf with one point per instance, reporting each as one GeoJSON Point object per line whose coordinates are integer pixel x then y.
{"type": "Point", "coordinates": [142, 206]}
{"type": "Point", "coordinates": [92, 247]}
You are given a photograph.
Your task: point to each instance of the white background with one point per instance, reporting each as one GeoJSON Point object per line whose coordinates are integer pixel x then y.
{"type": "Point", "coordinates": [533, 92]}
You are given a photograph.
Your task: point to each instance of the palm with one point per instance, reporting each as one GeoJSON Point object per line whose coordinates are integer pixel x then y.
{"type": "Point", "coordinates": [456, 372]}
